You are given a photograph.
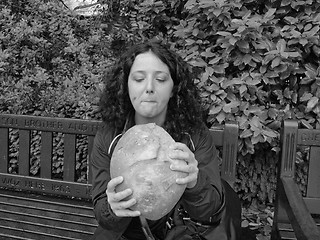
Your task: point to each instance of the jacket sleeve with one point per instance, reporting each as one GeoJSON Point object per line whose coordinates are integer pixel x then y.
{"type": "Point", "coordinates": [100, 165]}
{"type": "Point", "coordinates": [206, 198]}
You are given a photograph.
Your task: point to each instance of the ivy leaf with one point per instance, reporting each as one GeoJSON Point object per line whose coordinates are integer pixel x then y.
{"type": "Point", "coordinates": [303, 41]}
{"type": "Point", "coordinates": [269, 133]}
{"type": "Point", "coordinates": [312, 32]}
{"type": "Point", "coordinates": [221, 117]}
{"type": "Point", "coordinates": [275, 62]}
{"type": "Point", "coordinates": [305, 97]}
{"type": "Point", "coordinates": [246, 133]}
{"type": "Point", "coordinates": [198, 62]}
{"type": "Point", "coordinates": [273, 113]}
{"type": "Point", "coordinates": [223, 33]}
{"type": "Point", "coordinates": [294, 54]}
{"type": "Point", "coordinates": [207, 4]}
{"type": "Point", "coordinates": [208, 54]}
{"type": "Point", "coordinates": [219, 68]}
{"type": "Point", "coordinates": [253, 82]}
{"type": "Point", "coordinates": [270, 13]}
{"type": "Point", "coordinates": [285, 2]}
{"type": "Point", "coordinates": [281, 45]}
{"type": "Point", "coordinates": [242, 44]}
{"type": "Point", "coordinates": [215, 109]}
{"type": "Point", "coordinates": [190, 4]}
{"type": "Point", "coordinates": [312, 103]}
{"type": "Point", "coordinates": [257, 139]}
{"type": "Point", "coordinates": [229, 106]}
{"type": "Point", "coordinates": [242, 89]}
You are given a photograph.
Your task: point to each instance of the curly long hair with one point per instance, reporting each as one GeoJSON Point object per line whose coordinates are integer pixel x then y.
{"type": "Point", "coordinates": [184, 112]}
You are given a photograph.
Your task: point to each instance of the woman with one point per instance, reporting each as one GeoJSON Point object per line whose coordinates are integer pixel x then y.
{"type": "Point", "coordinates": [151, 83]}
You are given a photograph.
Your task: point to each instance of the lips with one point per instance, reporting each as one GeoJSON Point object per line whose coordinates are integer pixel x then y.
{"type": "Point", "coordinates": [148, 101]}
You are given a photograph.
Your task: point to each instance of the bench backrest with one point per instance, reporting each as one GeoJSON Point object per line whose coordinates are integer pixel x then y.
{"type": "Point", "coordinates": [226, 137]}
{"type": "Point", "coordinates": [70, 128]}
{"type": "Point", "coordinates": [297, 200]}
{"type": "Point", "coordinates": [294, 138]}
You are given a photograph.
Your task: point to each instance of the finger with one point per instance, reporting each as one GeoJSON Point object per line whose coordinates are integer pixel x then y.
{"type": "Point", "coordinates": [184, 168]}
{"type": "Point", "coordinates": [127, 213]}
{"type": "Point", "coordinates": [178, 154]}
{"type": "Point", "coordinates": [182, 181]}
{"type": "Point", "coordinates": [190, 178]}
{"type": "Point", "coordinates": [124, 204]}
{"type": "Point", "coordinates": [113, 183]}
{"type": "Point", "coordinates": [119, 196]}
{"type": "Point", "coordinates": [181, 166]}
{"type": "Point", "coordinates": [179, 146]}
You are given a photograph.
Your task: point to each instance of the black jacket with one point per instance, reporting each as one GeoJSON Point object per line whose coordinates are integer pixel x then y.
{"type": "Point", "coordinates": [201, 202]}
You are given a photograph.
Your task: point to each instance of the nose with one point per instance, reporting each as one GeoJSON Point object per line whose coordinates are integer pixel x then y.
{"type": "Point", "coordinates": [150, 86]}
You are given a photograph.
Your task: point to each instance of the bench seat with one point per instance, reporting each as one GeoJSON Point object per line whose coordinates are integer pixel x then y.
{"type": "Point", "coordinates": [44, 217]}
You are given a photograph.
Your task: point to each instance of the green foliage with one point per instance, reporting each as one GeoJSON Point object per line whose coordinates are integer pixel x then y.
{"type": "Point", "coordinates": [51, 61]}
{"type": "Point", "coordinates": [256, 62]}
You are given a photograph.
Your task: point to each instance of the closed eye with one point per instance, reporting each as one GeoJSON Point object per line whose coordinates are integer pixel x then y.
{"type": "Point", "coordinates": [138, 79]}
{"type": "Point", "coordinates": [161, 79]}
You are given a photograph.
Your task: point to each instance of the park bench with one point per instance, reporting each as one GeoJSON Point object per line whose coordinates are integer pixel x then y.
{"type": "Point", "coordinates": [42, 205]}
{"type": "Point", "coordinates": [297, 206]}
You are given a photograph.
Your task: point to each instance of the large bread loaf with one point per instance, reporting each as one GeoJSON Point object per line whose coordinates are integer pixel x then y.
{"type": "Point", "coordinates": [141, 157]}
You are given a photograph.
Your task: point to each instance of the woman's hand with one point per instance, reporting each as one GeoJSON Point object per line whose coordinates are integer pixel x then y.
{"type": "Point", "coordinates": [117, 200]}
{"type": "Point", "coordinates": [180, 152]}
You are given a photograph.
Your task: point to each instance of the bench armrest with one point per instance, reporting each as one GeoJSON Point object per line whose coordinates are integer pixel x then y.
{"type": "Point", "coordinates": [301, 220]}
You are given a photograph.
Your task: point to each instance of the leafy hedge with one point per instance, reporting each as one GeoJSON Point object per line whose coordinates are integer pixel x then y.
{"type": "Point", "coordinates": [50, 60]}
{"type": "Point", "coordinates": [257, 63]}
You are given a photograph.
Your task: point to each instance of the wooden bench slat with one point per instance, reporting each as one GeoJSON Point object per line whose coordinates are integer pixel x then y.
{"type": "Point", "coordinates": [24, 152]}
{"type": "Point", "coordinates": [230, 143]}
{"type": "Point", "coordinates": [308, 137]}
{"type": "Point", "coordinates": [46, 154]}
{"type": "Point", "coordinates": [46, 222]}
{"type": "Point", "coordinates": [90, 146]}
{"type": "Point", "coordinates": [69, 162]}
{"type": "Point", "coordinates": [45, 186]}
{"type": "Point", "coordinates": [313, 205]}
{"type": "Point", "coordinates": [49, 124]}
{"type": "Point", "coordinates": [33, 234]}
{"type": "Point", "coordinates": [47, 200]}
{"type": "Point", "coordinates": [78, 215]}
{"type": "Point", "coordinates": [4, 149]}
{"type": "Point", "coordinates": [4, 235]}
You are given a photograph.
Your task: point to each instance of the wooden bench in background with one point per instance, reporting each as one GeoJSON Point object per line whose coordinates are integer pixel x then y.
{"type": "Point", "coordinates": [41, 207]}
{"type": "Point", "coordinates": [296, 214]}
{"type": "Point", "coordinates": [44, 207]}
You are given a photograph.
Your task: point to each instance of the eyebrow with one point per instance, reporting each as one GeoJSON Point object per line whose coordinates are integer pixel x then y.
{"type": "Point", "coordinates": [156, 72]}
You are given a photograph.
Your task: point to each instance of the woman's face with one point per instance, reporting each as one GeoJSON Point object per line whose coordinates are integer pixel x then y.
{"type": "Point", "coordinates": [150, 88]}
